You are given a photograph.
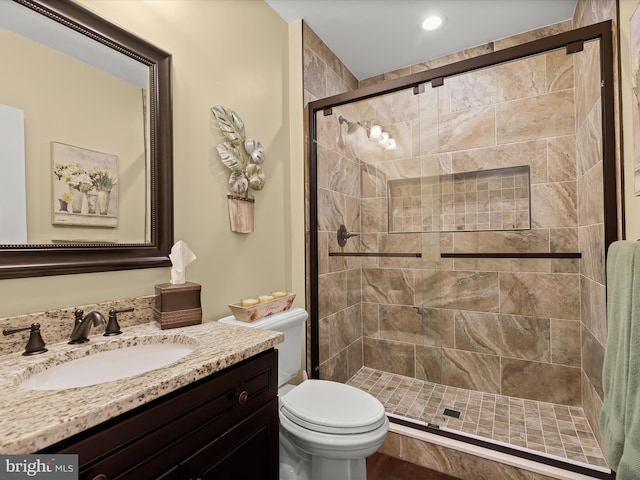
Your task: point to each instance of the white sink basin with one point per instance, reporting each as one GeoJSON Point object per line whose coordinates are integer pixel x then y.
{"type": "Point", "coordinates": [107, 366]}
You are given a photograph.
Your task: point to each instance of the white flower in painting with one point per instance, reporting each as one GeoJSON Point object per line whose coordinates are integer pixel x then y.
{"type": "Point", "coordinates": [103, 179]}
{"type": "Point", "coordinates": [82, 182]}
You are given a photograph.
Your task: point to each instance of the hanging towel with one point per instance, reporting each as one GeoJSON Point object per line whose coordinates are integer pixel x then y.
{"type": "Point", "coordinates": [620, 414]}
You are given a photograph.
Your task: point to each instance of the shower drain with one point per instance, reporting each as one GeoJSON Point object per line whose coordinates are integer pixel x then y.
{"type": "Point", "coordinates": [451, 413]}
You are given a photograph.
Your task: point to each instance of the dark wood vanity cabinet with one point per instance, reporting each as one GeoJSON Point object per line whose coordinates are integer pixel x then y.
{"type": "Point", "coordinates": [223, 426]}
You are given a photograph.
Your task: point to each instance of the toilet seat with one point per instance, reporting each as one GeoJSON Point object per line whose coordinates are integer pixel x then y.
{"type": "Point", "coordinates": [330, 407]}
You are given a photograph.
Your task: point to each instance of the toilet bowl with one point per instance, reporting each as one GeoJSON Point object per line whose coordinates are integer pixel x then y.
{"type": "Point", "coordinates": [327, 429]}
{"type": "Point", "coordinates": [331, 428]}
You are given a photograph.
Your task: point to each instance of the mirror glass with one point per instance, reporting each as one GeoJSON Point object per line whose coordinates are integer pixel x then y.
{"type": "Point", "coordinates": [85, 142]}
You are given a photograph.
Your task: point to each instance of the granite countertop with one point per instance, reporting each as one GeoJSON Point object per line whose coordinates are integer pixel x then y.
{"type": "Point", "coordinates": [35, 419]}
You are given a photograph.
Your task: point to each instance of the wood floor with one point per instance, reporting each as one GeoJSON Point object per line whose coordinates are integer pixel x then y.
{"type": "Point", "coordinates": [383, 467]}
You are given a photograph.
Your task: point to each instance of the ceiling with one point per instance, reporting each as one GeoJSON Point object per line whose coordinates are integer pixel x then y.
{"type": "Point", "coordinates": [376, 36]}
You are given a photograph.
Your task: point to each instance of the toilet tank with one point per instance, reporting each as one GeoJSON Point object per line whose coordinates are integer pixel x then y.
{"type": "Point", "coordinates": [292, 324]}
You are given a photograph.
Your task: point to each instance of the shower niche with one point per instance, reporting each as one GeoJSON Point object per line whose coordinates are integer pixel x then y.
{"type": "Point", "coordinates": [481, 200]}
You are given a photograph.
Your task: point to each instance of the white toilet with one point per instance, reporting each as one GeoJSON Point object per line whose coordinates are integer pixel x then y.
{"type": "Point", "coordinates": [327, 429]}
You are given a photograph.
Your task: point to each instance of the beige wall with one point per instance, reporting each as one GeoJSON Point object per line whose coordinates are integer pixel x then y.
{"type": "Point", "coordinates": [632, 202]}
{"type": "Point", "coordinates": [233, 53]}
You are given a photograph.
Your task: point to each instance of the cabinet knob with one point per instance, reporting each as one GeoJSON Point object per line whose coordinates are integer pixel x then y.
{"type": "Point", "coordinates": [242, 397]}
{"type": "Point", "coordinates": [99, 476]}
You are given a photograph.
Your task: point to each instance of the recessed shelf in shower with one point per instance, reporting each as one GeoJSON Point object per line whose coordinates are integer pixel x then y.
{"type": "Point", "coordinates": [480, 200]}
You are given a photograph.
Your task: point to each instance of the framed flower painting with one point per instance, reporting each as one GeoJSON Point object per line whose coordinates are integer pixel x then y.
{"type": "Point", "coordinates": [84, 187]}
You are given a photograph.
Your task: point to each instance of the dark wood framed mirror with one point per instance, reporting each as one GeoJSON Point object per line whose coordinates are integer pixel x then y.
{"type": "Point", "coordinates": [79, 254]}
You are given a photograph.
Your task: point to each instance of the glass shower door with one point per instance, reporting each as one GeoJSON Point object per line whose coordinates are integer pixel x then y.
{"type": "Point", "coordinates": [468, 294]}
{"type": "Point", "coordinates": [370, 166]}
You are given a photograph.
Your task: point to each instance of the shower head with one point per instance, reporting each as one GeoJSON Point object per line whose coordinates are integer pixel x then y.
{"type": "Point", "coordinates": [351, 126]}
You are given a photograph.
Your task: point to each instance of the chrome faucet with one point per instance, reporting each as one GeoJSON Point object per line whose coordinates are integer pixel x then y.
{"type": "Point", "coordinates": [82, 326]}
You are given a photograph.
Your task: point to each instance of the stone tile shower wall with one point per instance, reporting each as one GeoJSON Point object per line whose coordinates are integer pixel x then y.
{"type": "Point", "coordinates": [515, 323]}
{"type": "Point", "coordinates": [339, 192]}
{"type": "Point", "coordinates": [506, 326]}
{"type": "Point", "coordinates": [591, 230]}
{"type": "Point", "coordinates": [340, 278]}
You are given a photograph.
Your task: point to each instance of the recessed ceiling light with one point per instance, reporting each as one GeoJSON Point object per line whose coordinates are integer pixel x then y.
{"type": "Point", "coordinates": [432, 22]}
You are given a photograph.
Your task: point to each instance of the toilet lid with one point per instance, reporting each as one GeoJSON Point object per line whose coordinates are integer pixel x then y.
{"type": "Point", "coordinates": [331, 407]}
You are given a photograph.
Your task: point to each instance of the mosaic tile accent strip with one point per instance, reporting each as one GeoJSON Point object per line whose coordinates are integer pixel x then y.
{"type": "Point", "coordinates": [557, 430]}
{"type": "Point", "coordinates": [495, 199]}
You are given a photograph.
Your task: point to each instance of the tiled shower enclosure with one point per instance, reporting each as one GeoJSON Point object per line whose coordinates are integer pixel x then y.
{"type": "Point", "coordinates": [478, 265]}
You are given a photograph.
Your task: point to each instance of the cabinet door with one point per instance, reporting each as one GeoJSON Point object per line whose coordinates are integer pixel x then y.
{"type": "Point", "coordinates": [249, 451]}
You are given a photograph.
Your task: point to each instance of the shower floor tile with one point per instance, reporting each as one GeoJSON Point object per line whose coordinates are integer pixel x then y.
{"type": "Point", "coordinates": [557, 430]}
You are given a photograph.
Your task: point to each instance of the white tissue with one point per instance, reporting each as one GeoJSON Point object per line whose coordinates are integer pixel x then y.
{"type": "Point", "coordinates": [180, 257]}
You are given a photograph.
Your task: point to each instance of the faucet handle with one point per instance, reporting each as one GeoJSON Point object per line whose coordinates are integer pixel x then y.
{"type": "Point", "coordinates": [343, 235]}
{"type": "Point", "coordinates": [78, 314]}
{"type": "Point", "coordinates": [35, 344]}
{"type": "Point", "coordinates": [113, 328]}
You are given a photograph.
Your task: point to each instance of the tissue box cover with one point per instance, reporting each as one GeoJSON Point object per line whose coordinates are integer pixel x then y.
{"type": "Point", "coordinates": [178, 305]}
{"type": "Point", "coordinates": [253, 313]}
